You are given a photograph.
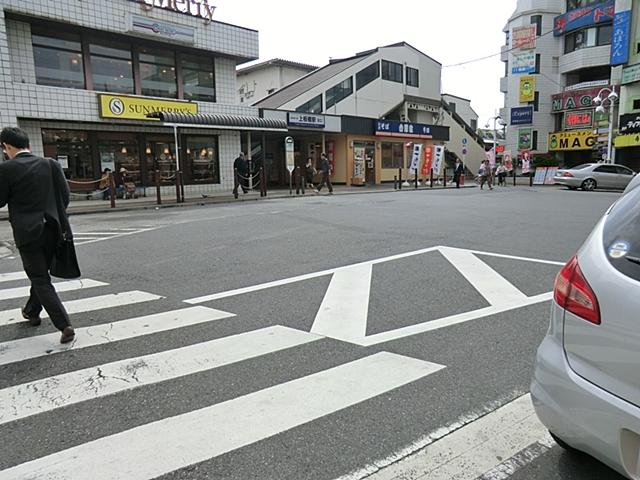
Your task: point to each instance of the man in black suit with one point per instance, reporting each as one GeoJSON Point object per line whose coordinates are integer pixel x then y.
{"type": "Point", "coordinates": [458, 172]}
{"type": "Point", "coordinates": [27, 185]}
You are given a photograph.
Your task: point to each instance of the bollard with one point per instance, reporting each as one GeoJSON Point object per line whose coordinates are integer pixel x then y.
{"type": "Point", "coordinates": [298, 186]}
{"type": "Point", "coordinates": [416, 179]}
{"type": "Point", "coordinates": [158, 196]}
{"type": "Point", "coordinates": [444, 185]}
{"type": "Point", "coordinates": [530, 178]}
{"type": "Point", "coordinates": [181, 187]}
{"type": "Point", "coordinates": [514, 177]}
{"type": "Point", "coordinates": [264, 180]}
{"type": "Point", "coordinates": [395, 182]}
{"type": "Point", "coordinates": [112, 190]}
{"type": "Point", "coordinates": [400, 179]}
{"type": "Point", "coordinates": [177, 187]}
{"type": "Point", "coordinates": [236, 183]}
{"type": "Point", "coordinates": [431, 178]}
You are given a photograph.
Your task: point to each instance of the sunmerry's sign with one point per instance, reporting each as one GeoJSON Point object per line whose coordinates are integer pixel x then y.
{"type": "Point", "coordinates": [136, 108]}
{"type": "Point", "coordinates": [577, 140]}
{"type": "Point", "coordinates": [196, 8]}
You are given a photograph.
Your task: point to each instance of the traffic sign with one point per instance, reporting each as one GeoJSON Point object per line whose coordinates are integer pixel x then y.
{"type": "Point", "coordinates": [464, 151]}
{"type": "Point", "coordinates": [289, 149]}
{"type": "Point", "coordinates": [464, 140]}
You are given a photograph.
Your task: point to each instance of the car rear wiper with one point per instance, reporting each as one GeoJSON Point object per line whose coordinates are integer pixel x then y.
{"type": "Point", "coordinates": [633, 259]}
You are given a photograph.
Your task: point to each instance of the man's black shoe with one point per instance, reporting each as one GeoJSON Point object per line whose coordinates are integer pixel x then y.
{"type": "Point", "coordinates": [68, 334]}
{"type": "Point", "coordinates": [33, 321]}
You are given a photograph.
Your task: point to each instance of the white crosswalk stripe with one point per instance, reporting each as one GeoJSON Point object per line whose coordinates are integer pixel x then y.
{"type": "Point", "coordinates": [20, 292]}
{"type": "Point", "coordinates": [83, 238]}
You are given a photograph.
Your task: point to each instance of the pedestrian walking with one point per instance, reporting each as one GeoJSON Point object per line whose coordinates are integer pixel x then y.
{"type": "Point", "coordinates": [104, 184]}
{"type": "Point", "coordinates": [458, 171]}
{"type": "Point", "coordinates": [240, 164]}
{"type": "Point", "coordinates": [501, 173]}
{"type": "Point", "coordinates": [325, 174]}
{"type": "Point", "coordinates": [486, 175]}
{"type": "Point", "coordinates": [30, 185]}
{"type": "Point", "coordinates": [309, 172]}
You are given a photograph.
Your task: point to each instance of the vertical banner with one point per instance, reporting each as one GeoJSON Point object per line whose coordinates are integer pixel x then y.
{"type": "Point", "coordinates": [507, 160]}
{"type": "Point", "coordinates": [427, 163]}
{"type": "Point", "coordinates": [438, 161]}
{"type": "Point", "coordinates": [527, 88]}
{"type": "Point", "coordinates": [620, 37]}
{"type": "Point", "coordinates": [331, 155]}
{"type": "Point", "coordinates": [415, 158]}
{"type": "Point", "coordinates": [491, 156]}
{"type": "Point", "coordinates": [526, 162]}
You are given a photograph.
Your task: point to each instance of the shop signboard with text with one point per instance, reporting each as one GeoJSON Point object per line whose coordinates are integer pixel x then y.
{"type": "Point", "coordinates": [438, 160]}
{"type": "Point", "coordinates": [196, 8]}
{"type": "Point", "coordinates": [620, 37]}
{"type": "Point", "coordinates": [306, 120]}
{"type": "Point", "coordinates": [574, 99]}
{"type": "Point", "coordinates": [583, 17]}
{"type": "Point", "coordinates": [577, 120]}
{"type": "Point", "coordinates": [630, 74]}
{"type": "Point", "coordinates": [522, 115]}
{"type": "Point", "coordinates": [630, 123]}
{"type": "Point", "coordinates": [523, 62]}
{"type": "Point", "coordinates": [162, 30]}
{"type": "Point", "coordinates": [394, 128]}
{"type": "Point", "coordinates": [416, 156]}
{"type": "Point", "coordinates": [137, 108]}
{"type": "Point", "coordinates": [427, 163]}
{"type": "Point", "coordinates": [523, 38]}
{"type": "Point", "coordinates": [568, 141]}
{"type": "Point", "coordinates": [527, 88]}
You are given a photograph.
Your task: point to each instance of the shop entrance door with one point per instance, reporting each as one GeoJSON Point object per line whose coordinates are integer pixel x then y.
{"type": "Point", "coordinates": [370, 163]}
{"type": "Point", "coordinates": [160, 154]}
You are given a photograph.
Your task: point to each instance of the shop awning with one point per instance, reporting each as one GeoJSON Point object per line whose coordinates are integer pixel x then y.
{"type": "Point", "coordinates": [226, 122]}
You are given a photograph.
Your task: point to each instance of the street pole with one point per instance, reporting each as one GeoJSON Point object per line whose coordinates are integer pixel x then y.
{"type": "Point", "coordinates": [610, 136]}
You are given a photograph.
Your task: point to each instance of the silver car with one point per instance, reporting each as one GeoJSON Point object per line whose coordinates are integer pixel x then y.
{"type": "Point", "coordinates": [590, 176]}
{"type": "Point", "coordinates": [586, 385]}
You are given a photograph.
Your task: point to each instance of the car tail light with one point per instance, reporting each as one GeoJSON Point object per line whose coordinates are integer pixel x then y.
{"type": "Point", "coordinates": [567, 174]}
{"type": "Point", "coordinates": [572, 292]}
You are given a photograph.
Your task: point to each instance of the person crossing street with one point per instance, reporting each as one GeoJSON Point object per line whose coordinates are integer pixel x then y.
{"type": "Point", "coordinates": [326, 177]}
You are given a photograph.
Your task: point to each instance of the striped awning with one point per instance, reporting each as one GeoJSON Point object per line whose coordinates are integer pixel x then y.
{"type": "Point", "coordinates": [228, 122]}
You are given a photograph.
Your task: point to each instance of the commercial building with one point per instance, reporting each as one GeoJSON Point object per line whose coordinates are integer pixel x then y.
{"type": "Point", "coordinates": [387, 100]}
{"type": "Point", "coordinates": [80, 78]}
{"type": "Point", "coordinates": [558, 58]}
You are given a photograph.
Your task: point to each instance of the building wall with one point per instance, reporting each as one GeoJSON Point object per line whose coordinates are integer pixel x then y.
{"type": "Point", "coordinates": [463, 108]}
{"type": "Point", "coordinates": [255, 85]}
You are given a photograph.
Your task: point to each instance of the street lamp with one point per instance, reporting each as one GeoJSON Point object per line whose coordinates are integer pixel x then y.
{"type": "Point", "coordinates": [495, 132]}
{"type": "Point", "coordinates": [602, 104]}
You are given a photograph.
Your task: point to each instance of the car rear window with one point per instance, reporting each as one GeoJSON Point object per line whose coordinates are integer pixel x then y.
{"type": "Point", "coordinates": [622, 235]}
{"type": "Point", "coordinates": [580, 167]}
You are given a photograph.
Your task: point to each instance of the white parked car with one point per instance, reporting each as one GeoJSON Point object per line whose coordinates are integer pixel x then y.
{"type": "Point", "coordinates": [586, 385]}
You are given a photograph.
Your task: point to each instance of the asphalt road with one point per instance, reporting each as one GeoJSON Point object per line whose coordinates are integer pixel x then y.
{"type": "Point", "coordinates": [336, 398]}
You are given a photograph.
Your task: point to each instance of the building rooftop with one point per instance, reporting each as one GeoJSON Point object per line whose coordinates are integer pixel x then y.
{"type": "Point", "coordinates": [277, 62]}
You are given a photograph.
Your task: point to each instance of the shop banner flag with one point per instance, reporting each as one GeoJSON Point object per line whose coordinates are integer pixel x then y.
{"type": "Point", "coordinates": [438, 161]}
{"type": "Point", "coordinates": [527, 88]}
{"type": "Point", "coordinates": [526, 162]}
{"type": "Point", "coordinates": [415, 158]}
{"type": "Point", "coordinates": [491, 156]}
{"type": "Point", "coordinates": [428, 160]}
{"type": "Point", "coordinates": [507, 160]}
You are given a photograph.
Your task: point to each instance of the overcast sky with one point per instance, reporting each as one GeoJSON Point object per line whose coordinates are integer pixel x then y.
{"type": "Point", "coordinates": [449, 31]}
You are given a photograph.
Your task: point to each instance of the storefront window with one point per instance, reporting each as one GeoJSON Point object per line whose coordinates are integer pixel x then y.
{"type": "Point", "coordinates": [201, 160]}
{"type": "Point", "coordinates": [160, 156]}
{"type": "Point", "coordinates": [112, 67]}
{"type": "Point", "coordinates": [392, 155]}
{"type": "Point", "coordinates": [158, 73]}
{"type": "Point", "coordinates": [120, 152]}
{"type": "Point", "coordinates": [72, 149]}
{"type": "Point", "coordinates": [58, 60]}
{"type": "Point", "coordinates": [198, 78]}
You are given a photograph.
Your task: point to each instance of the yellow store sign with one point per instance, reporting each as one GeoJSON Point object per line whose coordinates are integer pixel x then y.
{"type": "Point", "coordinates": [527, 88]}
{"type": "Point", "coordinates": [576, 140]}
{"type": "Point", "coordinates": [137, 108]}
{"type": "Point", "coordinates": [632, 140]}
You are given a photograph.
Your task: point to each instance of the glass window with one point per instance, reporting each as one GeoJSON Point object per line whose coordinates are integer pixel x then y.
{"type": "Point", "coordinates": [588, 37]}
{"type": "Point", "coordinates": [537, 21]}
{"type": "Point", "coordinates": [367, 75]}
{"type": "Point", "coordinates": [158, 73]}
{"type": "Point", "coordinates": [604, 34]}
{"type": "Point", "coordinates": [391, 71]}
{"type": "Point", "coordinates": [201, 159]}
{"type": "Point", "coordinates": [537, 70]}
{"type": "Point", "coordinates": [120, 153]}
{"type": "Point", "coordinates": [623, 225]}
{"type": "Point", "coordinates": [198, 78]}
{"type": "Point", "coordinates": [75, 146]}
{"type": "Point", "coordinates": [534, 140]}
{"type": "Point", "coordinates": [339, 92]}
{"type": "Point", "coordinates": [573, 4]}
{"type": "Point", "coordinates": [58, 60]}
{"type": "Point", "coordinates": [312, 106]}
{"type": "Point", "coordinates": [413, 77]}
{"type": "Point", "coordinates": [605, 169]}
{"type": "Point", "coordinates": [392, 155]}
{"type": "Point", "coordinates": [112, 67]}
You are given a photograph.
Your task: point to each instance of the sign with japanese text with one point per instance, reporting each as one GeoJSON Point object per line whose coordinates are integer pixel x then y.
{"type": "Point", "coordinates": [578, 140]}
{"type": "Point", "coordinates": [630, 123]}
{"type": "Point", "coordinates": [625, 141]}
{"type": "Point", "coordinates": [427, 163]}
{"type": "Point", "coordinates": [630, 74]}
{"type": "Point", "coordinates": [620, 37]}
{"type": "Point", "coordinates": [307, 120]}
{"type": "Point", "coordinates": [523, 38]}
{"type": "Point", "coordinates": [524, 138]}
{"type": "Point", "coordinates": [527, 88]}
{"type": "Point", "coordinates": [522, 115]}
{"type": "Point", "coordinates": [583, 17]}
{"type": "Point", "coordinates": [289, 149]}
{"type": "Point", "coordinates": [438, 161]}
{"type": "Point", "coordinates": [581, 119]}
{"type": "Point", "coordinates": [394, 128]}
{"type": "Point", "coordinates": [416, 156]}
{"type": "Point", "coordinates": [573, 99]}
{"type": "Point", "coordinates": [523, 62]}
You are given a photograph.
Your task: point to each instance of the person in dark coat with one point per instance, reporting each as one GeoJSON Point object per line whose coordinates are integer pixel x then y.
{"type": "Point", "coordinates": [27, 184]}
{"type": "Point", "coordinates": [241, 165]}
{"type": "Point", "coordinates": [325, 174]}
{"type": "Point", "coordinates": [458, 171]}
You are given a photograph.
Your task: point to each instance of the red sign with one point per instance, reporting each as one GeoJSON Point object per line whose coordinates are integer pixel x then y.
{"type": "Point", "coordinates": [578, 119]}
{"type": "Point", "coordinates": [499, 148]}
{"type": "Point", "coordinates": [428, 160]}
{"type": "Point", "coordinates": [524, 38]}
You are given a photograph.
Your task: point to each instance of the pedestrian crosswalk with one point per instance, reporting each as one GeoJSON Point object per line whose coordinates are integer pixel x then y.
{"type": "Point", "coordinates": [85, 237]}
{"type": "Point", "coordinates": [158, 447]}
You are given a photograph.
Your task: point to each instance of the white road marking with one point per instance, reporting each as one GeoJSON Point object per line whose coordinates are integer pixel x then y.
{"type": "Point", "coordinates": [489, 283]}
{"type": "Point", "coordinates": [148, 451]}
{"type": "Point", "coordinates": [86, 305]}
{"type": "Point", "coordinates": [33, 347]}
{"type": "Point", "coordinates": [9, 277]}
{"type": "Point", "coordinates": [470, 451]}
{"type": "Point", "coordinates": [431, 325]}
{"type": "Point", "coordinates": [345, 307]}
{"type": "Point", "coordinates": [50, 393]}
{"type": "Point", "coordinates": [513, 257]}
{"type": "Point", "coordinates": [84, 238]}
{"type": "Point", "coordinates": [19, 292]}
{"type": "Point", "coordinates": [523, 458]}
